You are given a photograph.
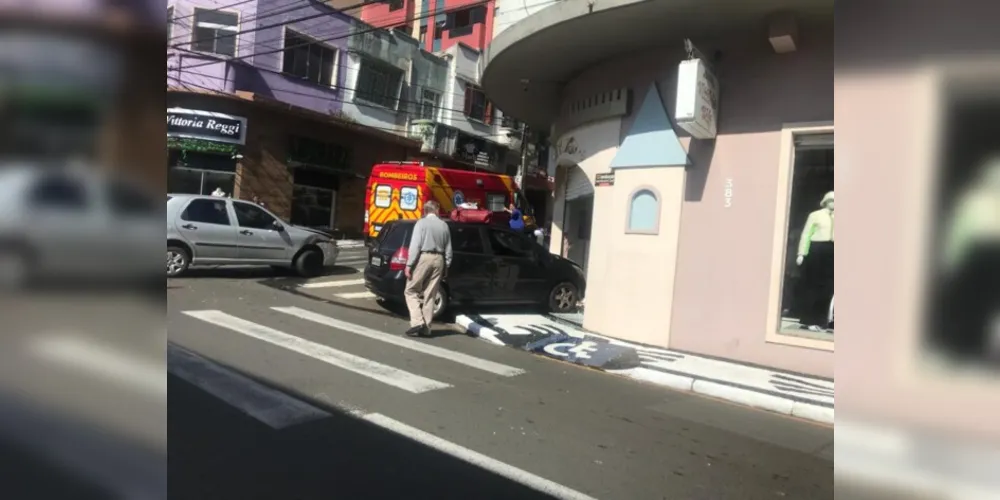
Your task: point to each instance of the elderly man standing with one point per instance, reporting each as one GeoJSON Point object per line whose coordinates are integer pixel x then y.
{"type": "Point", "coordinates": [429, 259]}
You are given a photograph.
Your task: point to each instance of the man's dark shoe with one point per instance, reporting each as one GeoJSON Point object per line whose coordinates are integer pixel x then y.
{"type": "Point", "coordinates": [425, 331]}
{"type": "Point", "coordinates": [416, 330]}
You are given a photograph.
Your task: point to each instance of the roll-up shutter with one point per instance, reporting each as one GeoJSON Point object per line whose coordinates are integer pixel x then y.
{"type": "Point", "coordinates": [578, 184]}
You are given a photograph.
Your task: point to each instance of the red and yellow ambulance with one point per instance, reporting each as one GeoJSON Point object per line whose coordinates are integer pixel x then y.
{"type": "Point", "coordinates": [398, 190]}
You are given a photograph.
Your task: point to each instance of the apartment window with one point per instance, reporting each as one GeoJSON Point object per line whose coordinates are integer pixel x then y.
{"type": "Point", "coordinates": [215, 32]}
{"type": "Point", "coordinates": [430, 102]}
{"type": "Point", "coordinates": [462, 21]}
{"type": "Point", "coordinates": [170, 23]}
{"type": "Point", "coordinates": [395, 5]}
{"type": "Point", "coordinates": [379, 83]}
{"type": "Point", "coordinates": [309, 60]}
{"type": "Point", "coordinates": [423, 35]}
{"type": "Point", "coordinates": [476, 105]}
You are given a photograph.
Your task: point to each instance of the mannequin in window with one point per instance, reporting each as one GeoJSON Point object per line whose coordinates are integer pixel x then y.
{"type": "Point", "coordinates": [968, 286]}
{"type": "Point", "coordinates": [815, 257]}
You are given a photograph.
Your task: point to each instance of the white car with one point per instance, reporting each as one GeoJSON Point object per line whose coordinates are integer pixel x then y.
{"type": "Point", "coordinates": [217, 231]}
{"type": "Point", "coordinates": [75, 224]}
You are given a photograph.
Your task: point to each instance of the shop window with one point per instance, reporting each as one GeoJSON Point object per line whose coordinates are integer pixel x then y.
{"type": "Point", "coordinates": [643, 212]}
{"type": "Point", "coordinates": [313, 196]}
{"type": "Point", "coordinates": [379, 83]}
{"type": "Point", "coordinates": [806, 301]}
{"type": "Point", "coordinates": [170, 23]}
{"type": "Point", "coordinates": [193, 172]}
{"type": "Point", "coordinates": [215, 32]}
{"type": "Point", "coordinates": [206, 212]}
{"type": "Point", "coordinates": [963, 285]}
{"type": "Point", "coordinates": [309, 60]}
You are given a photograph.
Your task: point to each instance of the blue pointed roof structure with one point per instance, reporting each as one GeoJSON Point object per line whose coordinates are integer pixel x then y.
{"type": "Point", "coordinates": [651, 142]}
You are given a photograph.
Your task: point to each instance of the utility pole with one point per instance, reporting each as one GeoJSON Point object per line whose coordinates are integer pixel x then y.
{"type": "Point", "coordinates": [523, 167]}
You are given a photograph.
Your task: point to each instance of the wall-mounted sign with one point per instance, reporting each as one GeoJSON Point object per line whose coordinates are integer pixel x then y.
{"type": "Point", "coordinates": [697, 99]}
{"type": "Point", "coordinates": [604, 179]}
{"type": "Point", "coordinates": [208, 125]}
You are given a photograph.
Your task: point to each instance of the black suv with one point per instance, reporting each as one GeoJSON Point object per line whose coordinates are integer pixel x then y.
{"type": "Point", "coordinates": [490, 266]}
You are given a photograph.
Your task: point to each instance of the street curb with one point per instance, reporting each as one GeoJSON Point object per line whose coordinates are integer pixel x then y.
{"type": "Point", "coordinates": [692, 383]}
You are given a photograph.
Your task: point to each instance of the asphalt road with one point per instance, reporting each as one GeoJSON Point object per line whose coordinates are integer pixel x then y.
{"type": "Point", "coordinates": [350, 430]}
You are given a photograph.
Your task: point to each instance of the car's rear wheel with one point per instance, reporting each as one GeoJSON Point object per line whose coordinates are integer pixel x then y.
{"type": "Point", "coordinates": [440, 303]}
{"type": "Point", "coordinates": [563, 297]}
{"type": "Point", "coordinates": [309, 264]}
{"type": "Point", "coordinates": [178, 261]}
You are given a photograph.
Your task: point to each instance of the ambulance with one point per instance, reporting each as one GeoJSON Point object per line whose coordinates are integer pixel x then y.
{"type": "Point", "coordinates": [398, 190]}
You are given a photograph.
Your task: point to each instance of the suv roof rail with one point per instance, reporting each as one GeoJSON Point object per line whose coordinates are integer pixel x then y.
{"type": "Point", "coordinates": [419, 163]}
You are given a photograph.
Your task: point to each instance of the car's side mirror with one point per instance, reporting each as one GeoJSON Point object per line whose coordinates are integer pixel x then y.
{"type": "Point", "coordinates": [277, 226]}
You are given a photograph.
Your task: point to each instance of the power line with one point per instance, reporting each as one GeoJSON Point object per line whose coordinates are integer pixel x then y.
{"type": "Point", "coordinates": [401, 101]}
{"type": "Point", "coordinates": [223, 7]}
{"type": "Point", "coordinates": [388, 129]}
{"type": "Point", "coordinates": [392, 130]}
{"type": "Point", "coordinates": [275, 25]}
{"type": "Point", "coordinates": [339, 37]}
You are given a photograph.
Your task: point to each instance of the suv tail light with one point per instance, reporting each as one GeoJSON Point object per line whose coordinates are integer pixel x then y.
{"type": "Point", "coordinates": [398, 261]}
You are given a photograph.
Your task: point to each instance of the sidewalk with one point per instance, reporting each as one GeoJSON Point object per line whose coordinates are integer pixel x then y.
{"type": "Point", "coordinates": [790, 394]}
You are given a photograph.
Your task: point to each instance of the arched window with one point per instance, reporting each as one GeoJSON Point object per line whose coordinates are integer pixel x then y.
{"type": "Point", "coordinates": [643, 212]}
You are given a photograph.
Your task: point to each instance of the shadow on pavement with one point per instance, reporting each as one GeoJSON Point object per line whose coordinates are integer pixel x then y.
{"type": "Point", "coordinates": [218, 453]}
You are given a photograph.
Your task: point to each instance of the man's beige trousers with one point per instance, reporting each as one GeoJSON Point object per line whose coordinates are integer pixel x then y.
{"type": "Point", "coordinates": [423, 287]}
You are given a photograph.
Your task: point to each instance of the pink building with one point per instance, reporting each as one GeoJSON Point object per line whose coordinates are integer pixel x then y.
{"type": "Point", "coordinates": [695, 187]}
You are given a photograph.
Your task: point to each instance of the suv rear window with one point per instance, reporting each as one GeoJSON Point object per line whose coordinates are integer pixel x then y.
{"type": "Point", "coordinates": [393, 236]}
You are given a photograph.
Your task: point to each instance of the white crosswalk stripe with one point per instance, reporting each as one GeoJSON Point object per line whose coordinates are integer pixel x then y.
{"type": "Point", "coordinates": [457, 357]}
{"type": "Point", "coordinates": [365, 367]}
{"type": "Point", "coordinates": [330, 284]}
{"type": "Point", "coordinates": [356, 295]}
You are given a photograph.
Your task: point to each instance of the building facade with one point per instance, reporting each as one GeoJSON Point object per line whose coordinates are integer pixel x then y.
{"type": "Point", "coordinates": [349, 94]}
{"type": "Point", "coordinates": [690, 226]}
{"type": "Point", "coordinates": [437, 24]}
{"type": "Point", "coordinates": [319, 104]}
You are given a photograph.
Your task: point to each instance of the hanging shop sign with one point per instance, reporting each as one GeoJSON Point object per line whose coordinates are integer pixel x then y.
{"type": "Point", "coordinates": [604, 179]}
{"type": "Point", "coordinates": [697, 99]}
{"type": "Point", "coordinates": [207, 125]}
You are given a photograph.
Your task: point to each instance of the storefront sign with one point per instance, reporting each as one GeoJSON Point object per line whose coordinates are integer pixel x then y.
{"type": "Point", "coordinates": [697, 99]}
{"type": "Point", "coordinates": [604, 179]}
{"type": "Point", "coordinates": [207, 125]}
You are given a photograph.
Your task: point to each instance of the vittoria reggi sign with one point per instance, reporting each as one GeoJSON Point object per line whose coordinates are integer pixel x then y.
{"type": "Point", "coordinates": [208, 125]}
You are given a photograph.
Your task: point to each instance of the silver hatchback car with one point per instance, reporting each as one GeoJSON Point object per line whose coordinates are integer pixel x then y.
{"type": "Point", "coordinates": [214, 231]}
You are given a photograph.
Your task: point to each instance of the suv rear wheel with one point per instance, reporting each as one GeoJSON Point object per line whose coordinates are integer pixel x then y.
{"type": "Point", "coordinates": [178, 261]}
{"type": "Point", "coordinates": [440, 302]}
{"type": "Point", "coordinates": [563, 297]}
